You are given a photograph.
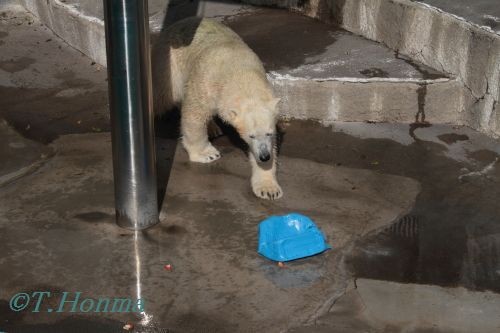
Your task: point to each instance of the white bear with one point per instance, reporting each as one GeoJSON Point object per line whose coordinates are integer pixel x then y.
{"type": "Point", "coordinates": [211, 72]}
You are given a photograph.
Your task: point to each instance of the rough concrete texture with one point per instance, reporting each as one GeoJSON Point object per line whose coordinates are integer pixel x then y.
{"type": "Point", "coordinates": [322, 72]}
{"type": "Point", "coordinates": [85, 33]}
{"type": "Point", "coordinates": [42, 78]}
{"type": "Point", "coordinates": [19, 156]}
{"type": "Point", "coordinates": [485, 13]}
{"type": "Point", "coordinates": [428, 35]}
{"type": "Point", "coordinates": [379, 306]}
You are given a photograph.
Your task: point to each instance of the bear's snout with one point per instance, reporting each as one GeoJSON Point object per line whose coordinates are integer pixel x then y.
{"type": "Point", "coordinates": [264, 157]}
{"type": "Point", "coordinates": [264, 154]}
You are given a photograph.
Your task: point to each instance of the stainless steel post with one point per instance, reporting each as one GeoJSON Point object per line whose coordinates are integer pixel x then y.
{"type": "Point", "coordinates": [129, 76]}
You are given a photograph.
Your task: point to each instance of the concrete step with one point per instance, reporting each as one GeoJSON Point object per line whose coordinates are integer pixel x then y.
{"type": "Point", "coordinates": [458, 37]}
{"type": "Point", "coordinates": [329, 74]}
{"type": "Point", "coordinates": [320, 72]}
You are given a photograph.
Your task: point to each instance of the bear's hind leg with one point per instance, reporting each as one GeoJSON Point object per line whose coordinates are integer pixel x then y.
{"type": "Point", "coordinates": [194, 121]}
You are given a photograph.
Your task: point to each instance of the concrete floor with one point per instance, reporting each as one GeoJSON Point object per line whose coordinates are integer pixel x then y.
{"type": "Point", "coordinates": [482, 12]}
{"type": "Point", "coordinates": [411, 213]}
{"type": "Point", "coordinates": [325, 52]}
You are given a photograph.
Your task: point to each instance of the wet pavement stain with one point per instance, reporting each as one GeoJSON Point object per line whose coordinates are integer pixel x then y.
{"type": "Point", "coordinates": [16, 65]}
{"type": "Point", "coordinates": [300, 273]}
{"type": "Point", "coordinates": [426, 72]}
{"type": "Point", "coordinates": [420, 121]}
{"type": "Point", "coordinates": [93, 216]}
{"type": "Point", "coordinates": [227, 226]}
{"type": "Point", "coordinates": [416, 125]}
{"type": "Point", "coordinates": [482, 156]}
{"type": "Point", "coordinates": [174, 229]}
{"type": "Point", "coordinates": [451, 226]}
{"type": "Point", "coordinates": [492, 22]}
{"type": "Point", "coordinates": [40, 115]}
{"type": "Point", "coordinates": [451, 138]}
{"type": "Point", "coordinates": [393, 252]}
{"type": "Point", "coordinates": [374, 72]}
{"type": "Point", "coordinates": [3, 34]}
{"type": "Point", "coordinates": [71, 80]}
{"type": "Point", "coordinates": [421, 94]}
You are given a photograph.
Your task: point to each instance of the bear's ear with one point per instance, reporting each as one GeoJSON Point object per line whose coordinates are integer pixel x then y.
{"type": "Point", "coordinates": [231, 114]}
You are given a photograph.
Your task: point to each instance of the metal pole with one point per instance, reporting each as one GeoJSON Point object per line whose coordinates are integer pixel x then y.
{"type": "Point", "coordinates": [129, 78]}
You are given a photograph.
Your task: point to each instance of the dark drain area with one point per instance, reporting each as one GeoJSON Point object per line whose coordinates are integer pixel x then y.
{"type": "Point", "coordinates": [406, 252]}
{"type": "Point", "coordinates": [390, 254]}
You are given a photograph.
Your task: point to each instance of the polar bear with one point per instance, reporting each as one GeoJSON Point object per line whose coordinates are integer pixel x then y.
{"type": "Point", "coordinates": [206, 69]}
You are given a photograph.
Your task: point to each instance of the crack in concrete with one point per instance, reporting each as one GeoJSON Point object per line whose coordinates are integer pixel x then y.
{"type": "Point", "coordinates": [25, 171]}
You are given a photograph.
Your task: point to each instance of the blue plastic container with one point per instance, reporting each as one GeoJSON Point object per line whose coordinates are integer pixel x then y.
{"type": "Point", "coordinates": [290, 237]}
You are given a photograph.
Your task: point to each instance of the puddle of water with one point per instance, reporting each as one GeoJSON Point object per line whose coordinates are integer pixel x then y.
{"type": "Point", "coordinates": [451, 138]}
{"type": "Point", "coordinates": [16, 65]}
{"type": "Point", "coordinates": [426, 72]}
{"type": "Point", "coordinates": [452, 235]}
{"type": "Point", "coordinates": [374, 72]}
{"type": "Point", "coordinates": [40, 115]}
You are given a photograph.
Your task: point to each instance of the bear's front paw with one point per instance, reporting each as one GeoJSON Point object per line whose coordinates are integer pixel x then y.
{"type": "Point", "coordinates": [267, 190]}
{"type": "Point", "coordinates": [207, 155]}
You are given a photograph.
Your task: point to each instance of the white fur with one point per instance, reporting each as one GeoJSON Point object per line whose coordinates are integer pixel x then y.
{"type": "Point", "coordinates": [213, 72]}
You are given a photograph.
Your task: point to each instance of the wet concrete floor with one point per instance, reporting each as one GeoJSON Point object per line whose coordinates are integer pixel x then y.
{"type": "Point", "coordinates": [450, 237]}
{"type": "Point", "coordinates": [445, 235]}
{"type": "Point", "coordinates": [410, 213]}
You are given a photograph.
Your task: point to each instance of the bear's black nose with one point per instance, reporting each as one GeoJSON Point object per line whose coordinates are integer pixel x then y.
{"type": "Point", "coordinates": [264, 157]}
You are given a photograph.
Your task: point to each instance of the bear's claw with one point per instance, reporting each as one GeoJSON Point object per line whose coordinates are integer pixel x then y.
{"type": "Point", "coordinates": [208, 155]}
{"type": "Point", "coordinates": [268, 191]}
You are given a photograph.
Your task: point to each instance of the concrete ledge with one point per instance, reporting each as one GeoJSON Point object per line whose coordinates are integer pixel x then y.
{"type": "Point", "coordinates": [84, 33]}
{"type": "Point", "coordinates": [371, 100]}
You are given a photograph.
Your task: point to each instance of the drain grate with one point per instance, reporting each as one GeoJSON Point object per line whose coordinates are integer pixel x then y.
{"type": "Point", "coordinates": [407, 227]}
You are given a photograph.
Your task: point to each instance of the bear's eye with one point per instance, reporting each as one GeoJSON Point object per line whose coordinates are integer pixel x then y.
{"type": "Point", "coordinates": [252, 136]}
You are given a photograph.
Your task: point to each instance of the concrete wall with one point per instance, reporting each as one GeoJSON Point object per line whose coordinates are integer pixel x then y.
{"type": "Point", "coordinates": [426, 34]}
{"type": "Point", "coordinates": [83, 32]}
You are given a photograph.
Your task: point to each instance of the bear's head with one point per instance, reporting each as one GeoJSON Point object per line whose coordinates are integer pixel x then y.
{"type": "Point", "coordinates": [255, 121]}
